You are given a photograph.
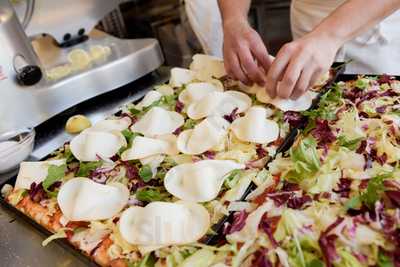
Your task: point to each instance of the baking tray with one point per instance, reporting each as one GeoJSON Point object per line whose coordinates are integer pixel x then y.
{"type": "Point", "coordinates": [217, 228]}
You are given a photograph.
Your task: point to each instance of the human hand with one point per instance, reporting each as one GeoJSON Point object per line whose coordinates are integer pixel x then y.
{"type": "Point", "coordinates": [299, 65]}
{"type": "Point", "coordinates": [245, 55]}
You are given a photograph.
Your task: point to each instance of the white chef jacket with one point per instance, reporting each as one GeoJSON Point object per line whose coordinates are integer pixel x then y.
{"type": "Point", "coordinates": [375, 52]}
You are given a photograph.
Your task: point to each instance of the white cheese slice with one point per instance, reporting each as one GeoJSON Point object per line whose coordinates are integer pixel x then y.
{"type": "Point", "coordinates": [180, 76]}
{"type": "Point", "coordinates": [81, 199]}
{"type": "Point", "coordinates": [205, 135]}
{"type": "Point", "coordinates": [143, 147]}
{"type": "Point", "coordinates": [34, 172]}
{"type": "Point", "coordinates": [302, 103]}
{"type": "Point", "coordinates": [255, 128]}
{"type": "Point", "coordinates": [200, 181]}
{"type": "Point", "coordinates": [90, 145]}
{"type": "Point", "coordinates": [207, 67]}
{"type": "Point", "coordinates": [165, 89]}
{"type": "Point", "coordinates": [158, 121]}
{"type": "Point", "coordinates": [196, 91]}
{"type": "Point", "coordinates": [220, 104]}
{"type": "Point", "coordinates": [148, 99]}
{"type": "Point", "coordinates": [154, 162]}
{"type": "Point", "coordinates": [111, 125]}
{"type": "Point", "coordinates": [162, 224]}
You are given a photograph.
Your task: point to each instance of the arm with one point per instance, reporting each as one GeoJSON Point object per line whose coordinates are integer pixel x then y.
{"type": "Point", "coordinates": [300, 63]}
{"type": "Point", "coordinates": [244, 50]}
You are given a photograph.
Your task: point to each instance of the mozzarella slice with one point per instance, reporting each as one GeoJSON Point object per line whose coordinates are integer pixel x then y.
{"type": "Point", "coordinates": [143, 147]}
{"type": "Point", "coordinates": [180, 76]}
{"type": "Point", "coordinates": [165, 89]}
{"type": "Point", "coordinates": [90, 145]}
{"type": "Point", "coordinates": [205, 135]}
{"type": "Point", "coordinates": [255, 128]}
{"type": "Point", "coordinates": [200, 181]}
{"type": "Point", "coordinates": [219, 103]}
{"type": "Point", "coordinates": [149, 99]}
{"type": "Point", "coordinates": [111, 125]}
{"type": "Point", "coordinates": [34, 172]}
{"type": "Point", "coordinates": [302, 103]}
{"type": "Point", "coordinates": [164, 224]}
{"type": "Point", "coordinates": [196, 91]}
{"type": "Point", "coordinates": [81, 199]}
{"type": "Point", "coordinates": [154, 162]}
{"type": "Point", "coordinates": [207, 67]}
{"type": "Point", "coordinates": [158, 121]}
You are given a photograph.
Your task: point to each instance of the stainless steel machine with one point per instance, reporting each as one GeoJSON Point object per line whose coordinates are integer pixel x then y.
{"type": "Point", "coordinates": [37, 38]}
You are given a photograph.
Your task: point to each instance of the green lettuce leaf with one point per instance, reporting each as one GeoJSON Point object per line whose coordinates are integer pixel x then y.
{"type": "Point", "coordinates": [55, 173]}
{"type": "Point", "coordinates": [145, 173]}
{"type": "Point", "coordinates": [86, 167]}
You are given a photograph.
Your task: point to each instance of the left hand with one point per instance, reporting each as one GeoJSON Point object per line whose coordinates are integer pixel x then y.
{"type": "Point", "coordinates": [299, 65]}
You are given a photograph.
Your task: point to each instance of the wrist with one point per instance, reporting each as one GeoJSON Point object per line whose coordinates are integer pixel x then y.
{"type": "Point", "coordinates": [233, 21]}
{"type": "Point", "coordinates": [328, 37]}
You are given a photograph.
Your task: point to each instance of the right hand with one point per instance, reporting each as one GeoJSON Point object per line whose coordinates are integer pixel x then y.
{"type": "Point", "coordinates": [245, 55]}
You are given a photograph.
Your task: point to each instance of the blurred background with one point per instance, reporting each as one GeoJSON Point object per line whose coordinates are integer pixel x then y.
{"type": "Point", "coordinates": [167, 21]}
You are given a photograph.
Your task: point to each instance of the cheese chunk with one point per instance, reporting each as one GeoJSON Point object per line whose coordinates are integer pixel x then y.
{"type": "Point", "coordinates": [200, 181]}
{"type": "Point", "coordinates": [180, 76]}
{"type": "Point", "coordinates": [254, 127]}
{"type": "Point", "coordinates": [302, 103]}
{"type": "Point", "coordinates": [81, 199]}
{"type": "Point", "coordinates": [161, 224]}
{"type": "Point", "coordinates": [205, 135]}
{"type": "Point", "coordinates": [158, 121]}
{"type": "Point", "coordinates": [34, 172]}
{"type": "Point", "coordinates": [143, 147]}
{"type": "Point", "coordinates": [149, 99]}
{"type": "Point", "coordinates": [110, 125]}
{"type": "Point", "coordinates": [92, 145]}
{"type": "Point", "coordinates": [207, 67]}
{"type": "Point", "coordinates": [196, 91]}
{"type": "Point", "coordinates": [219, 104]}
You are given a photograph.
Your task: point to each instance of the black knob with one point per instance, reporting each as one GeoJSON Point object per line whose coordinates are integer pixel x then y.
{"type": "Point", "coordinates": [29, 75]}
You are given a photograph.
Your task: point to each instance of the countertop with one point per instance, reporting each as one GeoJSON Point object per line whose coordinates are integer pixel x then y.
{"type": "Point", "coordinates": [20, 242]}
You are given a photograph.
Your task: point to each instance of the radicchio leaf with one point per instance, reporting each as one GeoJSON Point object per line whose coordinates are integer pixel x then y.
{"type": "Point", "coordinates": [298, 202]}
{"type": "Point", "coordinates": [323, 133]}
{"type": "Point", "coordinates": [232, 116]}
{"type": "Point", "coordinates": [36, 192]}
{"type": "Point", "coordinates": [179, 106]}
{"type": "Point", "coordinates": [343, 187]}
{"type": "Point", "coordinates": [269, 225]}
{"type": "Point", "coordinates": [260, 259]}
{"type": "Point", "coordinates": [239, 221]}
{"type": "Point", "coordinates": [295, 119]}
{"type": "Point", "coordinates": [394, 197]}
{"type": "Point", "coordinates": [327, 243]}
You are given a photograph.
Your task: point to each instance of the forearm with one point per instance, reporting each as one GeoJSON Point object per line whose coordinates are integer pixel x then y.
{"type": "Point", "coordinates": [234, 9]}
{"type": "Point", "coordinates": [355, 17]}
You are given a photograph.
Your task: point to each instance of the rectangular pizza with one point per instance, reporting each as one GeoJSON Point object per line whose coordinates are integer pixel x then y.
{"type": "Point", "coordinates": [144, 187]}
{"type": "Point", "coordinates": [334, 198]}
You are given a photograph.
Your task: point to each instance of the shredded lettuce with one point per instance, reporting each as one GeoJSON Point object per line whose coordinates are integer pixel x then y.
{"type": "Point", "coordinates": [306, 160]}
{"type": "Point", "coordinates": [201, 258]}
{"type": "Point", "coordinates": [347, 259]}
{"type": "Point", "coordinates": [15, 197]}
{"type": "Point", "coordinates": [58, 235]}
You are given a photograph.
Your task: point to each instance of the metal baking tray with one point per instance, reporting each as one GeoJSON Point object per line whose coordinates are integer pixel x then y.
{"type": "Point", "coordinates": [217, 228]}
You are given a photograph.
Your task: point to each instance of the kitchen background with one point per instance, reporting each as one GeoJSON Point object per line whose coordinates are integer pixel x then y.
{"type": "Point", "coordinates": [165, 20]}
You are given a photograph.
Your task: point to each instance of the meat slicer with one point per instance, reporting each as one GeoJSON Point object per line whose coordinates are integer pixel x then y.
{"type": "Point", "coordinates": [38, 36]}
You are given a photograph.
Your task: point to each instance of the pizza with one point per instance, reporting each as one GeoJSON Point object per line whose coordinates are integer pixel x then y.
{"type": "Point", "coordinates": [333, 198]}
{"type": "Point", "coordinates": [145, 186]}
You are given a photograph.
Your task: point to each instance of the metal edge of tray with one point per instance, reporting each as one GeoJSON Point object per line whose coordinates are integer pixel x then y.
{"type": "Point", "coordinates": [339, 68]}
{"type": "Point", "coordinates": [86, 259]}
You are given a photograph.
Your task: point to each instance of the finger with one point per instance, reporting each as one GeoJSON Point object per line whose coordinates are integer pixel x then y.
{"type": "Point", "coordinates": [290, 78]}
{"type": "Point", "coordinates": [260, 52]}
{"type": "Point", "coordinates": [303, 83]}
{"type": "Point", "coordinates": [316, 76]}
{"type": "Point", "coordinates": [235, 70]}
{"type": "Point", "coordinates": [250, 67]}
{"type": "Point", "coordinates": [275, 73]}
